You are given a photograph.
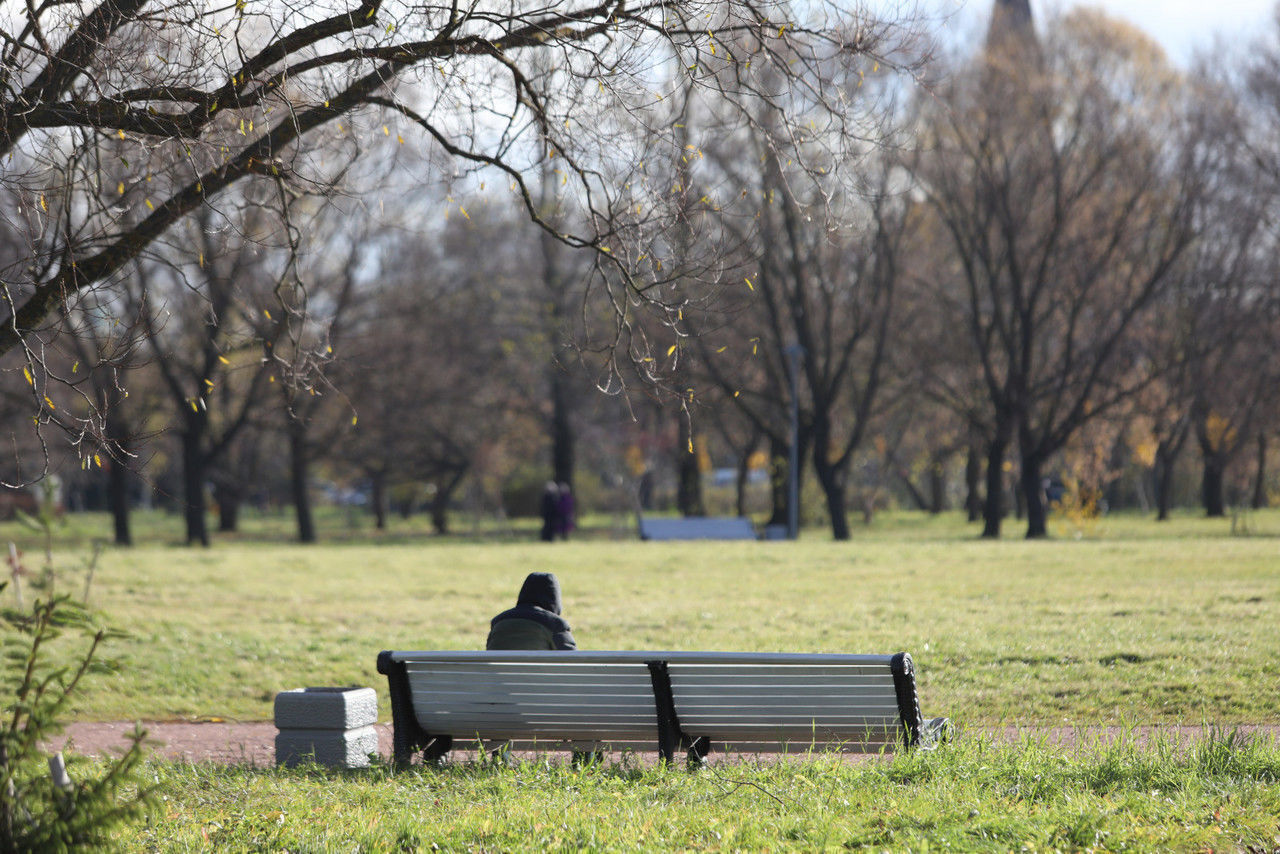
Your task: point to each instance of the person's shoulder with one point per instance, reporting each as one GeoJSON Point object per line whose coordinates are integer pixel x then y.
{"type": "Point", "coordinates": [510, 613]}
{"type": "Point", "coordinates": [557, 622]}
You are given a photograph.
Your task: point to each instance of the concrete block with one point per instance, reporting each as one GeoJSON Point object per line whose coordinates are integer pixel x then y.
{"type": "Point", "coordinates": [335, 748]}
{"type": "Point", "coordinates": [326, 708]}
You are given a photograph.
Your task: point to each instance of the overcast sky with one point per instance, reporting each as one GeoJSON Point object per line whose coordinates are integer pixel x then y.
{"type": "Point", "coordinates": [1179, 25]}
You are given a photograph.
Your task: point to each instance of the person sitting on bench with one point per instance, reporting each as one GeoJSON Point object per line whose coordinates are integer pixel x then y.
{"type": "Point", "coordinates": [535, 622]}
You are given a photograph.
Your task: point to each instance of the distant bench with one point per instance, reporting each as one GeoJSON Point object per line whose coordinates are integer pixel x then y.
{"type": "Point", "coordinates": [698, 528]}
{"type": "Point", "coordinates": [692, 701]}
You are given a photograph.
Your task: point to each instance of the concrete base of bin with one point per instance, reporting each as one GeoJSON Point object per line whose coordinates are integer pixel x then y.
{"type": "Point", "coordinates": [335, 748]}
{"type": "Point", "coordinates": [331, 726]}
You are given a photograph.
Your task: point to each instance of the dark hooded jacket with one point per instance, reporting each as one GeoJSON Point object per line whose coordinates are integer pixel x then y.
{"type": "Point", "coordinates": [535, 621]}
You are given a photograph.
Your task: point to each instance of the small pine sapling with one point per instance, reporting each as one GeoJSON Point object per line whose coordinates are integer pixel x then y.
{"type": "Point", "coordinates": [42, 806]}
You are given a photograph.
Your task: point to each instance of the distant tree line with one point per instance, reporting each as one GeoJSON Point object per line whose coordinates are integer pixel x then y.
{"type": "Point", "coordinates": [1038, 274]}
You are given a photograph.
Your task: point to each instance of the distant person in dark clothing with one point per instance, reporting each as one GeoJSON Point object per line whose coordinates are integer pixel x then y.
{"type": "Point", "coordinates": [535, 621]}
{"type": "Point", "coordinates": [565, 512]}
{"type": "Point", "coordinates": [550, 511]}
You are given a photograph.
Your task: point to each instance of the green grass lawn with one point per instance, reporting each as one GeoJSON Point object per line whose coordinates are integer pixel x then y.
{"type": "Point", "coordinates": [1218, 794]}
{"type": "Point", "coordinates": [1132, 622]}
{"type": "Point", "coordinates": [1120, 622]}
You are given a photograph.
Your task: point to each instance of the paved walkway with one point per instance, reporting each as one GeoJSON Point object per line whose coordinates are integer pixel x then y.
{"type": "Point", "coordinates": [253, 743]}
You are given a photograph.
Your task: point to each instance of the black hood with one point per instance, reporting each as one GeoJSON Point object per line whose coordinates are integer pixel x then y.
{"type": "Point", "coordinates": [542, 590]}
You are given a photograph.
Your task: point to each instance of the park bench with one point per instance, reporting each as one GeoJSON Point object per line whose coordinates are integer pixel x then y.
{"type": "Point", "coordinates": [698, 528]}
{"type": "Point", "coordinates": [691, 701]}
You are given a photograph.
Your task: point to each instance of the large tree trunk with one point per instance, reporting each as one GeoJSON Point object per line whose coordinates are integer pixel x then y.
{"type": "Point", "coordinates": [1033, 498]}
{"type": "Point", "coordinates": [688, 477]}
{"type": "Point", "coordinates": [973, 482]}
{"type": "Point", "coordinates": [1260, 478]}
{"type": "Point", "coordinates": [993, 503]}
{"type": "Point", "coordinates": [299, 467]}
{"type": "Point", "coordinates": [832, 482]}
{"type": "Point", "coordinates": [193, 474]}
{"type": "Point", "coordinates": [118, 494]}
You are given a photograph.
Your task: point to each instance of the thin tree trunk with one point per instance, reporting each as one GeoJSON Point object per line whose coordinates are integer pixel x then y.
{"type": "Point", "coordinates": [440, 502]}
{"type": "Point", "coordinates": [562, 439]}
{"type": "Point", "coordinates": [193, 473]}
{"type": "Point", "coordinates": [1163, 472]}
{"type": "Point", "coordinates": [740, 480]}
{"type": "Point", "coordinates": [1260, 478]}
{"type": "Point", "coordinates": [993, 504]}
{"type": "Point", "coordinates": [228, 499]}
{"type": "Point", "coordinates": [917, 497]}
{"type": "Point", "coordinates": [833, 489]}
{"type": "Point", "coordinates": [378, 496]}
{"type": "Point", "coordinates": [1168, 449]}
{"type": "Point", "coordinates": [688, 477]}
{"type": "Point", "coordinates": [1033, 498]}
{"type": "Point", "coordinates": [778, 492]}
{"type": "Point", "coordinates": [1212, 485]}
{"type": "Point", "coordinates": [118, 494]}
{"type": "Point", "coordinates": [299, 467]}
{"type": "Point", "coordinates": [937, 487]}
{"type": "Point", "coordinates": [973, 482]}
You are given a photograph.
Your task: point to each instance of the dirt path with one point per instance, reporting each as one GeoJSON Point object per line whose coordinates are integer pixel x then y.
{"type": "Point", "coordinates": [254, 743]}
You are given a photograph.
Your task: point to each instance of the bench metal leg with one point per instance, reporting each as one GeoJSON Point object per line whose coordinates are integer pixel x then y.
{"type": "Point", "coordinates": [407, 736]}
{"type": "Point", "coordinates": [934, 732]}
{"type": "Point", "coordinates": [670, 735]}
{"type": "Point", "coordinates": [436, 749]}
{"type": "Point", "coordinates": [665, 706]}
{"type": "Point", "coordinates": [698, 749]}
{"type": "Point", "coordinates": [904, 683]}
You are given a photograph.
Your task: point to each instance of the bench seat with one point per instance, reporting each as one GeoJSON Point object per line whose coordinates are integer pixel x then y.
{"type": "Point", "coordinates": [695, 701]}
